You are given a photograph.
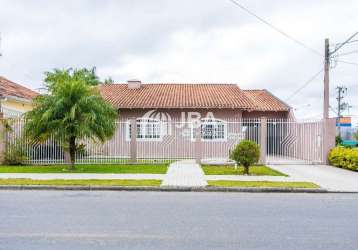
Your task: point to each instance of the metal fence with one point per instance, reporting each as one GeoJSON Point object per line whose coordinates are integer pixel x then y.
{"type": "Point", "coordinates": [286, 141]}
{"type": "Point", "coordinates": [294, 142]}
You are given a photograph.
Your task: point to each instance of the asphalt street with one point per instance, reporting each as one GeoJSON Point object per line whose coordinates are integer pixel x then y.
{"type": "Point", "coordinates": [170, 220]}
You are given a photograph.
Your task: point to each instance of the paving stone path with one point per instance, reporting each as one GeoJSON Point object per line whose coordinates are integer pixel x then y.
{"type": "Point", "coordinates": [186, 173]}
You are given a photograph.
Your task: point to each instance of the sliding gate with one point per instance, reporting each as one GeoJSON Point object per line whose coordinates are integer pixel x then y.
{"type": "Point", "coordinates": [294, 142]}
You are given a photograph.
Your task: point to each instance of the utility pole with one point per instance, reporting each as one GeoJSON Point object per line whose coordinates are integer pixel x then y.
{"type": "Point", "coordinates": [327, 56]}
{"type": "Point", "coordinates": [326, 135]}
{"type": "Point", "coordinates": [327, 131]}
{"type": "Point", "coordinates": [326, 79]}
{"type": "Point", "coordinates": [340, 105]}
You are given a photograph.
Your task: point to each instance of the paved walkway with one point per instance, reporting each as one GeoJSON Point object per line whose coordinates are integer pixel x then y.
{"type": "Point", "coordinates": [330, 178]}
{"type": "Point", "coordinates": [185, 173]}
{"type": "Point", "coordinates": [74, 176]}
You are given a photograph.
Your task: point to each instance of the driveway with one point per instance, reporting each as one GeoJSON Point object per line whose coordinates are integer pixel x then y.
{"type": "Point", "coordinates": [328, 177]}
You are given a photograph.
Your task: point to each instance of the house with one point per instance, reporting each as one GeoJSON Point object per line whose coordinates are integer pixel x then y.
{"type": "Point", "coordinates": [211, 104]}
{"type": "Point", "coordinates": [15, 99]}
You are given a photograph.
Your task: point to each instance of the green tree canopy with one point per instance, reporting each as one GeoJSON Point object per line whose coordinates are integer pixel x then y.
{"type": "Point", "coordinates": [87, 75]}
{"type": "Point", "coordinates": [246, 153]}
{"type": "Point", "coordinates": [72, 110]}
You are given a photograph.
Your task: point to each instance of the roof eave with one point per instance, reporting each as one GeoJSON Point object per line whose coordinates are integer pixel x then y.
{"type": "Point", "coordinates": [185, 107]}
{"type": "Point", "coordinates": [17, 99]}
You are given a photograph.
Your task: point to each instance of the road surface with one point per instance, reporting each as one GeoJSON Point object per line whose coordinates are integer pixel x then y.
{"type": "Point", "coordinates": [169, 220]}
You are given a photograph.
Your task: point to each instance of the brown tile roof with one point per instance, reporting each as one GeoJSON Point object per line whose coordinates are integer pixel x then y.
{"type": "Point", "coordinates": [265, 101]}
{"type": "Point", "coordinates": [9, 88]}
{"type": "Point", "coordinates": [167, 95]}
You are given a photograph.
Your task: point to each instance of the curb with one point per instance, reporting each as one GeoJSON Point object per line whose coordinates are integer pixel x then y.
{"type": "Point", "coordinates": [164, 189]}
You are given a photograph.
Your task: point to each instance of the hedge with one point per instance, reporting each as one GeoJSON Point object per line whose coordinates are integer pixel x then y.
{"type": "Point", "coordinates": [344, 158]}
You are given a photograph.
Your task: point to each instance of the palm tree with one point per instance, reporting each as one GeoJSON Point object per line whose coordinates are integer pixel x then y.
{"type": "Point", "coordinates": [72, 110]}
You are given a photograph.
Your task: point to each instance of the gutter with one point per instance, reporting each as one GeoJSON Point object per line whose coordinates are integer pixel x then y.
{"type": "Point", "coordinates": [163, 189]}
{"type": "Point", "coordinates": [17, 99]}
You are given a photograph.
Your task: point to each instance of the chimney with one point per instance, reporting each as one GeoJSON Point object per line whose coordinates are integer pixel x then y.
{"type": "Point", "coordinates": [134, 84]}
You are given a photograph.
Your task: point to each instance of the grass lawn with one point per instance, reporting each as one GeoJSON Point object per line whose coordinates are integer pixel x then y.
{"type": "Point", "coordinates": [81, 182]}
{"type": "Point", "coordinates": [117, 161]}
{"type": "Point", "coordinates": [230, 170]}
{"type": "Point", "coordinates": [104, 169]}
{"type": "Point", "coordinates": [279, 184]}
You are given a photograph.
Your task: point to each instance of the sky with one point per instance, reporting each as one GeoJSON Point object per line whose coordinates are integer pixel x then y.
{"type": "Point", "coordinates": [211, 41]}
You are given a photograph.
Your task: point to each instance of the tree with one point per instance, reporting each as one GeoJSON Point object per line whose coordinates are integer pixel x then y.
{"type": "Point", "coordinates": [87, 75]}
{"type": "Point", "coordinates": [338, 140]}
{"type": "Point", "coordinates": [109, 80]}
{"type": "Point", "coordinates": [356, 135]}
{"type": "Point", "coordinates": [72, 110]}
{"type": "Point", "coordinates": [246, 153]}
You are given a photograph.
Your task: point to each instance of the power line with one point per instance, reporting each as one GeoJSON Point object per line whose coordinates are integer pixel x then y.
{"type": "Point", "coordinates": [235, 2]}
{"type": "Point", "coordinates": [342, 44]}
{"type": "Point", "coordinates": [330, 107]}
{"type": "Point", "coordinates": [351, 63]}
{"type": "Point", "coordinates": [349, 53]}
{"type": "Point", "coordinates": [305, 84]}
{"type": "Point", "coordinates": [352, 41]}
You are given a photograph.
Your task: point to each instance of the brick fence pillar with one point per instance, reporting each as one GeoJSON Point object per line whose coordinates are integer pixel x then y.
{"type": "Point", "coordinates": [198, 144]}
{"type": "Point", "coordinates": [329, 137]}
{"type": "Point", "coordinates": [133, 142]}
{"type": "Point", "coordinates": [263, 140]}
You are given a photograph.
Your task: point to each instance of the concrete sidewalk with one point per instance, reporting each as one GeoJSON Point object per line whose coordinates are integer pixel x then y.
{"type": "Point", "coordinates": [328, 177]}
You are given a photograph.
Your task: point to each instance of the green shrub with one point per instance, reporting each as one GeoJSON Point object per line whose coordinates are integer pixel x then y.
{"type": "Point", "coordinates": [15, 154]}
{"type": "Point", "coordinates": [246, 153]}
{"type": "Point", "coordinates": [338, 140]}
{"type": "Point", "coordinates": [343, 157]}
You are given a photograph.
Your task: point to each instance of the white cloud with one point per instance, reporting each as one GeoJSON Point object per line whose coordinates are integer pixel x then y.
{"type": "Point", "coordinates": [182, 41]}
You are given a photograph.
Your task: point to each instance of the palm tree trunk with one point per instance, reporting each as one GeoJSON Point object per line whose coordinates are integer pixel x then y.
{"type": "Point", "coordinates": [246, 170]}
{"type": "Point", "coordinates": [72, 149]}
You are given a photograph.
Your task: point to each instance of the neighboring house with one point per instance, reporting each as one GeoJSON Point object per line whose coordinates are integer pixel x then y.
{"type": "Point", "coordinates": [15, 99]}
{"type": "Point", "coordinates": [216, 104]}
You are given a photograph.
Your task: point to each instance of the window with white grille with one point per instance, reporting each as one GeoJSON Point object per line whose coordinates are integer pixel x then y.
{"type": "Point", "coordinates": [212, 130]}
{"type": "Point", "coordinates": [147, 130]}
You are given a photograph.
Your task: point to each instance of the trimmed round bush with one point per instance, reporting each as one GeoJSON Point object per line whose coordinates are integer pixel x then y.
{"type": "Point", "coordinates": [246, 153]}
